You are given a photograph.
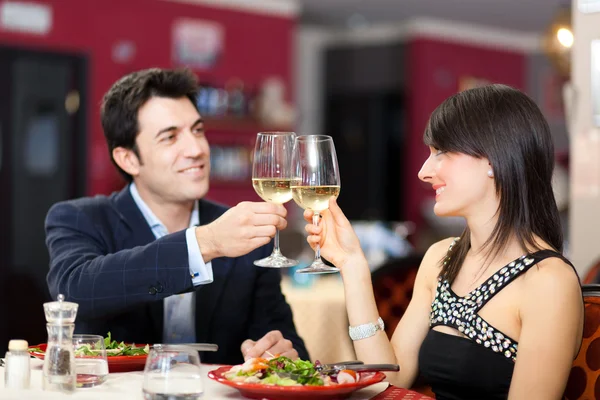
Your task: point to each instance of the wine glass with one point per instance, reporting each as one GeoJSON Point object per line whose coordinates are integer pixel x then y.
{"type": "Point", "coordinates": [316, 178]}
{"type": "Point", "coordinates": [271, 176]}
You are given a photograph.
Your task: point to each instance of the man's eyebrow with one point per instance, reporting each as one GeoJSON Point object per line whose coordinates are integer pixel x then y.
{"type": "Point", "coordinates": [167, 129]}
{"type": "Point", "coordinates": [174, 128]}
{"type": "Point", "coordinates": [198, 121]}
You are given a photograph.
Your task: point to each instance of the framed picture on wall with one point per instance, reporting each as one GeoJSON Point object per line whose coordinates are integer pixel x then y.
{"type": "Point", "coordinates": [197, 43]}
{"type": "Point", "coordinates": [595, 71]}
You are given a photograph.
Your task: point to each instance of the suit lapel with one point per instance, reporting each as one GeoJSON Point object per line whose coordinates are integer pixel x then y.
{"type": "Point", "coordinates": [207, 296]}
{"type": "Point", "coordinates": [140, 235]}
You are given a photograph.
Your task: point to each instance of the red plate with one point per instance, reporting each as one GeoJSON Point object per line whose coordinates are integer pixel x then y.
{"type": "Point", "coordinates": [272, 392]}
{"type": "Point", "coordinates": [115, 363]}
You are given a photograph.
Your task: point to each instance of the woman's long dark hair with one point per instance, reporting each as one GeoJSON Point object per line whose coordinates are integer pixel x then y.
{"type": "Point", "coordinates": [505, 126]}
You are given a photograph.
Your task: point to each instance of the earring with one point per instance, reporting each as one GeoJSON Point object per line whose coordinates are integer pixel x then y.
{"type": "Point", "coordinates": [490, 173]}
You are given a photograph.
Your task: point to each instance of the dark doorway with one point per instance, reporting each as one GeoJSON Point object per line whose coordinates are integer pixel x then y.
{"type": "Point", "coordinates": [42, 161]}
{"type": "Point", "coordinates": [367, 129]}
{"type": "Point", "coordinates": [365, 110]}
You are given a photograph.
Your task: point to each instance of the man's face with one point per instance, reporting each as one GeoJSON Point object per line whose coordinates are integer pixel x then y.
{"type": "Point", "coordinates": [174, 153]}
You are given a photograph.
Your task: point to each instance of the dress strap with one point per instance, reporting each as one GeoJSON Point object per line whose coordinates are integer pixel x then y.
{"type": "Point", "coordinates": [543, 254]}
{"type": "Point", "coordinates": [512, 271]}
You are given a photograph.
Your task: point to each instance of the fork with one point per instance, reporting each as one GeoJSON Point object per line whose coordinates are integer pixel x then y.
{"type": "Point", "coordinates": [338, 364]}
{"type": "Point", "coordinates": [331, 369]}
{"type": "Point", "coordinates": [361, 368]}
{"type": "Point", "coordinates": [195, 346]}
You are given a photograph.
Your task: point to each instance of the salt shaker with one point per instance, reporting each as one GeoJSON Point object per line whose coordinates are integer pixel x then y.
{"type": "Point", "coordinates": [17, 373]}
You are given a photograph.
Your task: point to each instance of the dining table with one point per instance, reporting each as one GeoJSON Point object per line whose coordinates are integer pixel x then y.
{"type": "Point", "coordinates": [320, 317]}
{"type": "Point", "coordinates": [128, 386]}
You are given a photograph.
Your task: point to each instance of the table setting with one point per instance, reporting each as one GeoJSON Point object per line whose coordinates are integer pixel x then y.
{"type": "Point", "coordinates": [177, 370]}
{"type": "Point", "coordinates": [92, 366]}
{"type": "Point", "coordinates": [128, 385]}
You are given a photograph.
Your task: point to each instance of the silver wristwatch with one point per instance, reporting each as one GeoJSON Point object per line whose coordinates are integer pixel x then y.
{"type": "Point", "coordinates": [365, 330]}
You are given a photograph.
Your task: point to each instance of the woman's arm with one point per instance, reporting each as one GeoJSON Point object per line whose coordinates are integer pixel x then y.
{"type": "Point", "coordinates": [412, 328]}
{"type": "Point", "coordinates": [340, 245]}
{"type": "Point", "coordinates": [551, 327]}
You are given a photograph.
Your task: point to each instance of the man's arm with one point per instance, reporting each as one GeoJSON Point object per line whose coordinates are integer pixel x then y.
{"type": "Point", "coordinates": [82, 269]}
{"type": "Point", "coordinates": [104, 281]}
{"type": "Point", "coordinates": [271, 312]}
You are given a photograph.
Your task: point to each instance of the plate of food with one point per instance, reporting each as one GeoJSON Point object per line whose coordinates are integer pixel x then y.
{"type": "Point", "coordinates": [283, 378]}
{"type": "Point", "coordinates": [121, 356]}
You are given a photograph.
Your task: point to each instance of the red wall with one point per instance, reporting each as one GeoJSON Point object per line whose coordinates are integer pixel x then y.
{"type": "Point", "coordinates": [435, 69]}
{"type": "Point", "coordinates": [255, 47]}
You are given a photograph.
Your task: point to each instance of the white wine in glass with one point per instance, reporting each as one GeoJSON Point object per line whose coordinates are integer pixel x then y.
{"type": "Point", "coordinates": [273, 190]}
{"type": "Point", "coordinates": [314, 198]}
{"type": "Point", "coordinates": [316, 178]}
{"type": "Point", "coordinates": [271, 177]}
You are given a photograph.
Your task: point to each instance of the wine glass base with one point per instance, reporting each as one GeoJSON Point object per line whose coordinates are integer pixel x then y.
{"type": "Point", "coordinates": [318, 267]}
{"type": "Point", "coordinates": [276, 261]}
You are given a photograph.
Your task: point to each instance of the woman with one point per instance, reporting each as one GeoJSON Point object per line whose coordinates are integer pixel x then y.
{"type": "Point", "coordinates": [498, 312]}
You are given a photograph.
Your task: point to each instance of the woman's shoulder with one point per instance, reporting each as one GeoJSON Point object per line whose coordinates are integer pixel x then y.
{"type": "Point", "coordinates": [553, 276]}
{"type": "Point", "coordinates": [551, 292]}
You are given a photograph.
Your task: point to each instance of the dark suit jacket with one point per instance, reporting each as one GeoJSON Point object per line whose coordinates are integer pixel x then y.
{"type": "Point", "coordinates": [104, 256]}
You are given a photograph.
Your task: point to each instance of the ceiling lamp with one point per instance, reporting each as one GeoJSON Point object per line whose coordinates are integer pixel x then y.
{"type": "Point", "coordinates": [558, 40]}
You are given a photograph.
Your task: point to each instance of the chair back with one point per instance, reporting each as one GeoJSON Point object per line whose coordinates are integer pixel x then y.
{"type": "Point", "coordinates": [593, 274]}
{"type": "Point", "coordinates": [393, 288]}
{"type": "Point", "coordinates": [584, 380]}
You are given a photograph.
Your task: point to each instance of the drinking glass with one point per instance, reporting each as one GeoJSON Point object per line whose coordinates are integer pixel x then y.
{"type": "Point", "coordinates": [91, 365]}
{"type": "Point", "coordinates": [315, 179]}
{"type": "Point", "coordinates": [271, 175]}
{"type": "Point", "coordinates": [172, 373]}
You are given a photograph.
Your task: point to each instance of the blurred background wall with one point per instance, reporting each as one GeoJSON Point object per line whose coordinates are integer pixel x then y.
{"type": "Point", "coordinates": [58, 58]}
{"type": "Point", "coordinates": [368, 73]}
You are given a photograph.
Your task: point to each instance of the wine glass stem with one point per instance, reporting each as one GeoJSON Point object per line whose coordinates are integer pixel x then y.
{"type": "Point", "coordinates": [316, 219]}
{"type": "Point", "coordinates": [276, 250]}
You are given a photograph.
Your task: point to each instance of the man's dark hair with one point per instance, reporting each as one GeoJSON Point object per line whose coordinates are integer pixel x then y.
{"type": "Point", "coordinates": [122, 102]}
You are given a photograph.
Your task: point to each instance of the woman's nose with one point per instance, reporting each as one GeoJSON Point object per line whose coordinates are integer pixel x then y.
{"type": "Point", "coordinates": [426, 172]}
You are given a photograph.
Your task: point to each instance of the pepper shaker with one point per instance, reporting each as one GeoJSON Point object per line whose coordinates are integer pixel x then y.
{"type": "Point", "coordinates": [59, 363]}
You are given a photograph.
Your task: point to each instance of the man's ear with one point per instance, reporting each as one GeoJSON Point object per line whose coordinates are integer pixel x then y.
{"type": "Point", "coordinates": [127, 160]}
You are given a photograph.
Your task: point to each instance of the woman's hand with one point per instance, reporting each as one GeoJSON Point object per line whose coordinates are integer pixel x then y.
{"type": "Point", "coordinates": [334, 234]}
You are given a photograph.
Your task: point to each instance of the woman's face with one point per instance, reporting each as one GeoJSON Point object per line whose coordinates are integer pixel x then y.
{"type": "Point", "coordinates": [461, 183]}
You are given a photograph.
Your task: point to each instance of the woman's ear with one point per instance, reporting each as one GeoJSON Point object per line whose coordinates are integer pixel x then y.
{"type": "Point", "coordinates": [490, 171]}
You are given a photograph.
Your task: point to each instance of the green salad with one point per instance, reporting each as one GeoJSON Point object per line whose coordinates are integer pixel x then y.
{"type": "Point", "coordinates": [280, 371]}
{"type": "Point", "coordinates": [113, 348]}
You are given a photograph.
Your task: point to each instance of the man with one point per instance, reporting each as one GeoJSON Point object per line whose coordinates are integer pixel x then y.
{"type": "Point", "coordinates": [119, 256]}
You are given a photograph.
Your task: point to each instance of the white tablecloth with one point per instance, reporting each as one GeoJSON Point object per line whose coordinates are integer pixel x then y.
{"type": "Point", "coordinates": [128, 386]}
{"type": "Point", "coordinates": [321, 319]}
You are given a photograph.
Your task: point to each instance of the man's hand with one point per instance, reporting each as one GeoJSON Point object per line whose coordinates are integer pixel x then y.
{"type": "Point", "coordinates": [271, 345]}
{"type": "Point", "coordinates": [240, 230]}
